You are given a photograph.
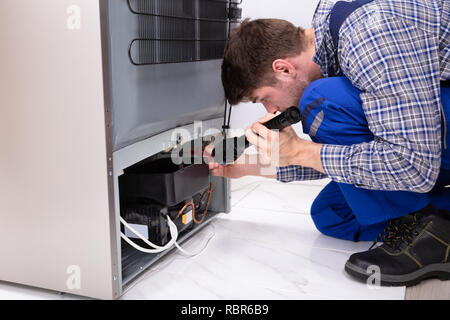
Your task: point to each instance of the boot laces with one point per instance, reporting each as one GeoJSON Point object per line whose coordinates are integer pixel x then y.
{"type": "Point", "coordinates": [399, 231]}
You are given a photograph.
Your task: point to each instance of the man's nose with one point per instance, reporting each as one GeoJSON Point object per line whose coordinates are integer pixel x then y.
{"type": "Point", "coordinates": [271, 108]}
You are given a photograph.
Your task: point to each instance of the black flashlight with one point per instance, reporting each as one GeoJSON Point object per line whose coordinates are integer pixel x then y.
{"type": "Point", "coordinates": [229, 150]}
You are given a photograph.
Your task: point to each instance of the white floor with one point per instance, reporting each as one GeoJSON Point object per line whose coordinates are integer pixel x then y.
{"type": "Point", "coordinates": [267, 248]}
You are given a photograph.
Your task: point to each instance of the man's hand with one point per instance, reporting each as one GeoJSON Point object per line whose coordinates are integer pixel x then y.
{"type": "Point", "coordinates": [283, 148]}
{"type": "Point", "coordinates": [247, 165]}
{"type": "Point", "coordinates": [232, 171]}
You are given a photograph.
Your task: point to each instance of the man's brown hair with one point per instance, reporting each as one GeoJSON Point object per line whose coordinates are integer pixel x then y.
{"type": "Point", "coordinates": [250, 52]}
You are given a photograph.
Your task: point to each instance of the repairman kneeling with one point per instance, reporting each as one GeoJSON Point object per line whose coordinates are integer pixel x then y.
{"type": "Point", "coordinates": [379, 133]}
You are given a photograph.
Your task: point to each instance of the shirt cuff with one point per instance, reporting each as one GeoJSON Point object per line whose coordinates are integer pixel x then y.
{"type": "Point", "coordinates": [287, 174]}
{"type": "Point", "coordinates": [336, 162]}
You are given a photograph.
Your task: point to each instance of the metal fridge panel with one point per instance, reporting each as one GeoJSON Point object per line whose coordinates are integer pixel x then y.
{"type": "Point", "coordinates": [54, 204]}
{"type": "Point", "coordinates": [151, 99]}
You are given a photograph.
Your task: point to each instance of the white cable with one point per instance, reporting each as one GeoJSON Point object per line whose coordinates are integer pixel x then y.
{"type": "Point", "coordinates": [187, 253]}
{"type": "Point", "coordinates": [173, 232]}
{"type": "Point", "coordinates": [190, 254]}
{"type": "Point", "coordinates": [182, 250]}
{"type": "Point", "coordinates": [160, 266]}
{"type": "Point", "coordinates": [157, 249]}
{"type": "Point", "coordinates": [130, 228]}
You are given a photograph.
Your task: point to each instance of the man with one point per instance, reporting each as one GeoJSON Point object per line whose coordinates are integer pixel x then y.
{"type": "Point", "coordinates": [395, 54]}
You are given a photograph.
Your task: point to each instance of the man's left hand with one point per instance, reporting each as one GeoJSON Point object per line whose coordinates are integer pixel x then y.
{"type": "Point", "coordinates": [283, 148]}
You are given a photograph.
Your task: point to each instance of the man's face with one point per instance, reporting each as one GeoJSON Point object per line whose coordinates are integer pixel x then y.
{"type": "Point", "coordinates": [279, 97]}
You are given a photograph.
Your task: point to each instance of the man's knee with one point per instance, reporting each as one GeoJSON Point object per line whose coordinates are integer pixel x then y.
{"type": "Point", "coordinates": [319, 215]}
{"type": "Point", "coordinates": [332, 216]}
{"type": "Point", "coordinates": [317, 210]}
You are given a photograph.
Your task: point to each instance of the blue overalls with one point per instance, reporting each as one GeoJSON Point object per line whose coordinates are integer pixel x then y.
{"type": "Point", "coordinates": [333, 114]}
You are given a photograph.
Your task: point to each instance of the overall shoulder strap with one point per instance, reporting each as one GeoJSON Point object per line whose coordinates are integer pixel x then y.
{"type": "Point", "coordinates": [339, 13]}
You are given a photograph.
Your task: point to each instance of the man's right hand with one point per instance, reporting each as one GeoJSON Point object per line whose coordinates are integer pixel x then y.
{"type": "Point", "coordinates": [236, 170]}
{"type": "Point", "coordinates": [246, 165]}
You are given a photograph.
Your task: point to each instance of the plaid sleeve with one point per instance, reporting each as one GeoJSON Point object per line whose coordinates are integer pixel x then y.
{"type": "Point", "coordinates": [298, 173]}
{"type": "Point", "coordinates": [396, 65]}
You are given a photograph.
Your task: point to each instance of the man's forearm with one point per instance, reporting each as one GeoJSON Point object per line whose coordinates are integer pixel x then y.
{"type": "Point", "coordinates": [308, 154]}
{"type": "Point", "coordinates": [255, 168]}
{"type": "Point", "coordinates": [388, 169]}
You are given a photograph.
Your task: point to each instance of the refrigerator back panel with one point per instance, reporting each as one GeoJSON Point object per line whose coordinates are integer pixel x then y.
{"type": "Point", "coordinates": [165, 60]}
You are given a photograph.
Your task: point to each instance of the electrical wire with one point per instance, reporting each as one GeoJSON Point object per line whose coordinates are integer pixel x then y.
{"type": "Point", "coordinates": [226, 124]}
{"type": "Point", "coordinates": [157, 249]}
{"type": "Point", "coordinates": [170, 244]}
{"type": "Point", "coordinates": [229, 117]}
{"type": "Point", "coordinates": [173, 229]}
{"type": "Point", "coordinates": [190, 254]}
{"type": "Point", "coordinates": [209, 193]}
{"type": "Point", "coordinates": [189, 204]}
{"type": "Point", "coordinates": [161, 266]}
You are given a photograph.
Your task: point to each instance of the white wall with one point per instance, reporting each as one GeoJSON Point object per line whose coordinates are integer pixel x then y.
{"type": "Point", "coordinates": [300, 13]}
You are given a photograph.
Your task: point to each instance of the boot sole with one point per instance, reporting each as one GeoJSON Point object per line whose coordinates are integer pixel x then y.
{"type": "Point", "coordinates": [440, 271]}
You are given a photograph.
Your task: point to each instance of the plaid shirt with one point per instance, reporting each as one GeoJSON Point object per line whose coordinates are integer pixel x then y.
{"type": "Point", "coordinates": [396, 52]}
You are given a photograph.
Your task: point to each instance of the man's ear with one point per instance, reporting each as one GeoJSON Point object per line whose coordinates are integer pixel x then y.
{"type": "Point", "coordinates": [283, 67]}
